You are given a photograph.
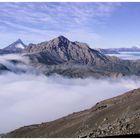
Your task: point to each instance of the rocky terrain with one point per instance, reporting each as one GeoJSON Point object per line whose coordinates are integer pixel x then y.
{"type": "Point", "coordinates": [64, 50]}
{"type": "Point", "coordinates": [73, 59]}
{"type": "Point", "coordinates": [113, 117]}
{"type": "Point", "coordinates": [109, 118]}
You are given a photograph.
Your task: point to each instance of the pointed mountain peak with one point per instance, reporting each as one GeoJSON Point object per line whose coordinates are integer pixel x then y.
{"type": "Point", "coordinates": [60, 41]}
{"type": "Point", "coordinates": [19, 40]}
{"type": "Point", "coordinates": [16, 46]}
{"type": "Point", "coordinates": [62, 38]}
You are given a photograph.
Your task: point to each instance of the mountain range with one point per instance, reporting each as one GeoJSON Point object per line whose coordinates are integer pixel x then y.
{"type": "Point", "coordinates": [112, 117]}
{"type": "Point", "coordinates": [76, 59]}
{"type": "Point", "coordinates": [73, 59]}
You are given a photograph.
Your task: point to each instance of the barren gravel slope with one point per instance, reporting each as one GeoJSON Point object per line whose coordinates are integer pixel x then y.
{"type": "Point", "coordinates": [116, 116]}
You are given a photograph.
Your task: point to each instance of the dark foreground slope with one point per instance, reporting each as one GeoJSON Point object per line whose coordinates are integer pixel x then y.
{"type": "Point", "coordinates": [112, 117]}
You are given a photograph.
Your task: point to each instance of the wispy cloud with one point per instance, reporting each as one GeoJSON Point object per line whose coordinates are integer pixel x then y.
{"type": "Point", "coordinates": [53, 15]}
{"type": "Point", "coordinates": [41, 18]}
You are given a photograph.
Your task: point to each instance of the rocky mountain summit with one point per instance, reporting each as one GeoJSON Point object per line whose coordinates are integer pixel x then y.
{"type": "Point", "coordinates": [112, 117]}
{"type": "Point", "coordinates": [65, 50]}
{"type": "Point", "coordinates": [75, 59]}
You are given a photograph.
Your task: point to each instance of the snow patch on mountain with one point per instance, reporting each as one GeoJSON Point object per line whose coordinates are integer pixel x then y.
{"type": "Point", "coordinates": [19, 45]}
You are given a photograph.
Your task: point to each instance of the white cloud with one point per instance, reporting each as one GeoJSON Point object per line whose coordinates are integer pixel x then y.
{"type": "Point", "coordinates": [29, 99]}
{"type": "Point", "coordinates": [54, 14]}
{"type": "Point", "coordinates": [39, 20]}
{"type": "Point", "coordinates": [21, 66]}
{"type": "Point", "coordinates": [127, 55]}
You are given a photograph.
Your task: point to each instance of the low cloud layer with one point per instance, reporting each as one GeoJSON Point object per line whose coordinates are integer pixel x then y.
{"type": "Point", "coordinates": [29, 99]}
{"type": "Point", "coordinates": [16, 63]}
{"type": "Point", "coordinates": [127, 55]}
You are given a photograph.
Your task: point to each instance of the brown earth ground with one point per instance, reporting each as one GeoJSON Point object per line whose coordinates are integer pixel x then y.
{"type": "Point", "coordinates": [113, 117]}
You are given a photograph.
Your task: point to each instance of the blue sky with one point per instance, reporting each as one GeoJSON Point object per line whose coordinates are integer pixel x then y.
{"type": "Point", "coordinates": [101, 25]}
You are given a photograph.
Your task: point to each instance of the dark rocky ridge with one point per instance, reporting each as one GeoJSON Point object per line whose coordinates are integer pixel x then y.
{"type": "Point", "coordinates": [113, 117]}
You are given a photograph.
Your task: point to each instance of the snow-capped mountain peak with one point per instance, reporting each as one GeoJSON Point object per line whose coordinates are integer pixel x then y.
{"type": "Point", "coordinates": [17, 46]}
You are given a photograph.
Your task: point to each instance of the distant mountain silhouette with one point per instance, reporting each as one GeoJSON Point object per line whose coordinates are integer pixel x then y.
{"type": "Point", "coordinates": [16, 47]}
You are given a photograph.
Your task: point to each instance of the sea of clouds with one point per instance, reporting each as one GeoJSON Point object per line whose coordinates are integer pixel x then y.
{"type": "Point", "coordinates": [29, 98]}
{"type": "Point", "coordinates": [127, 55]}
